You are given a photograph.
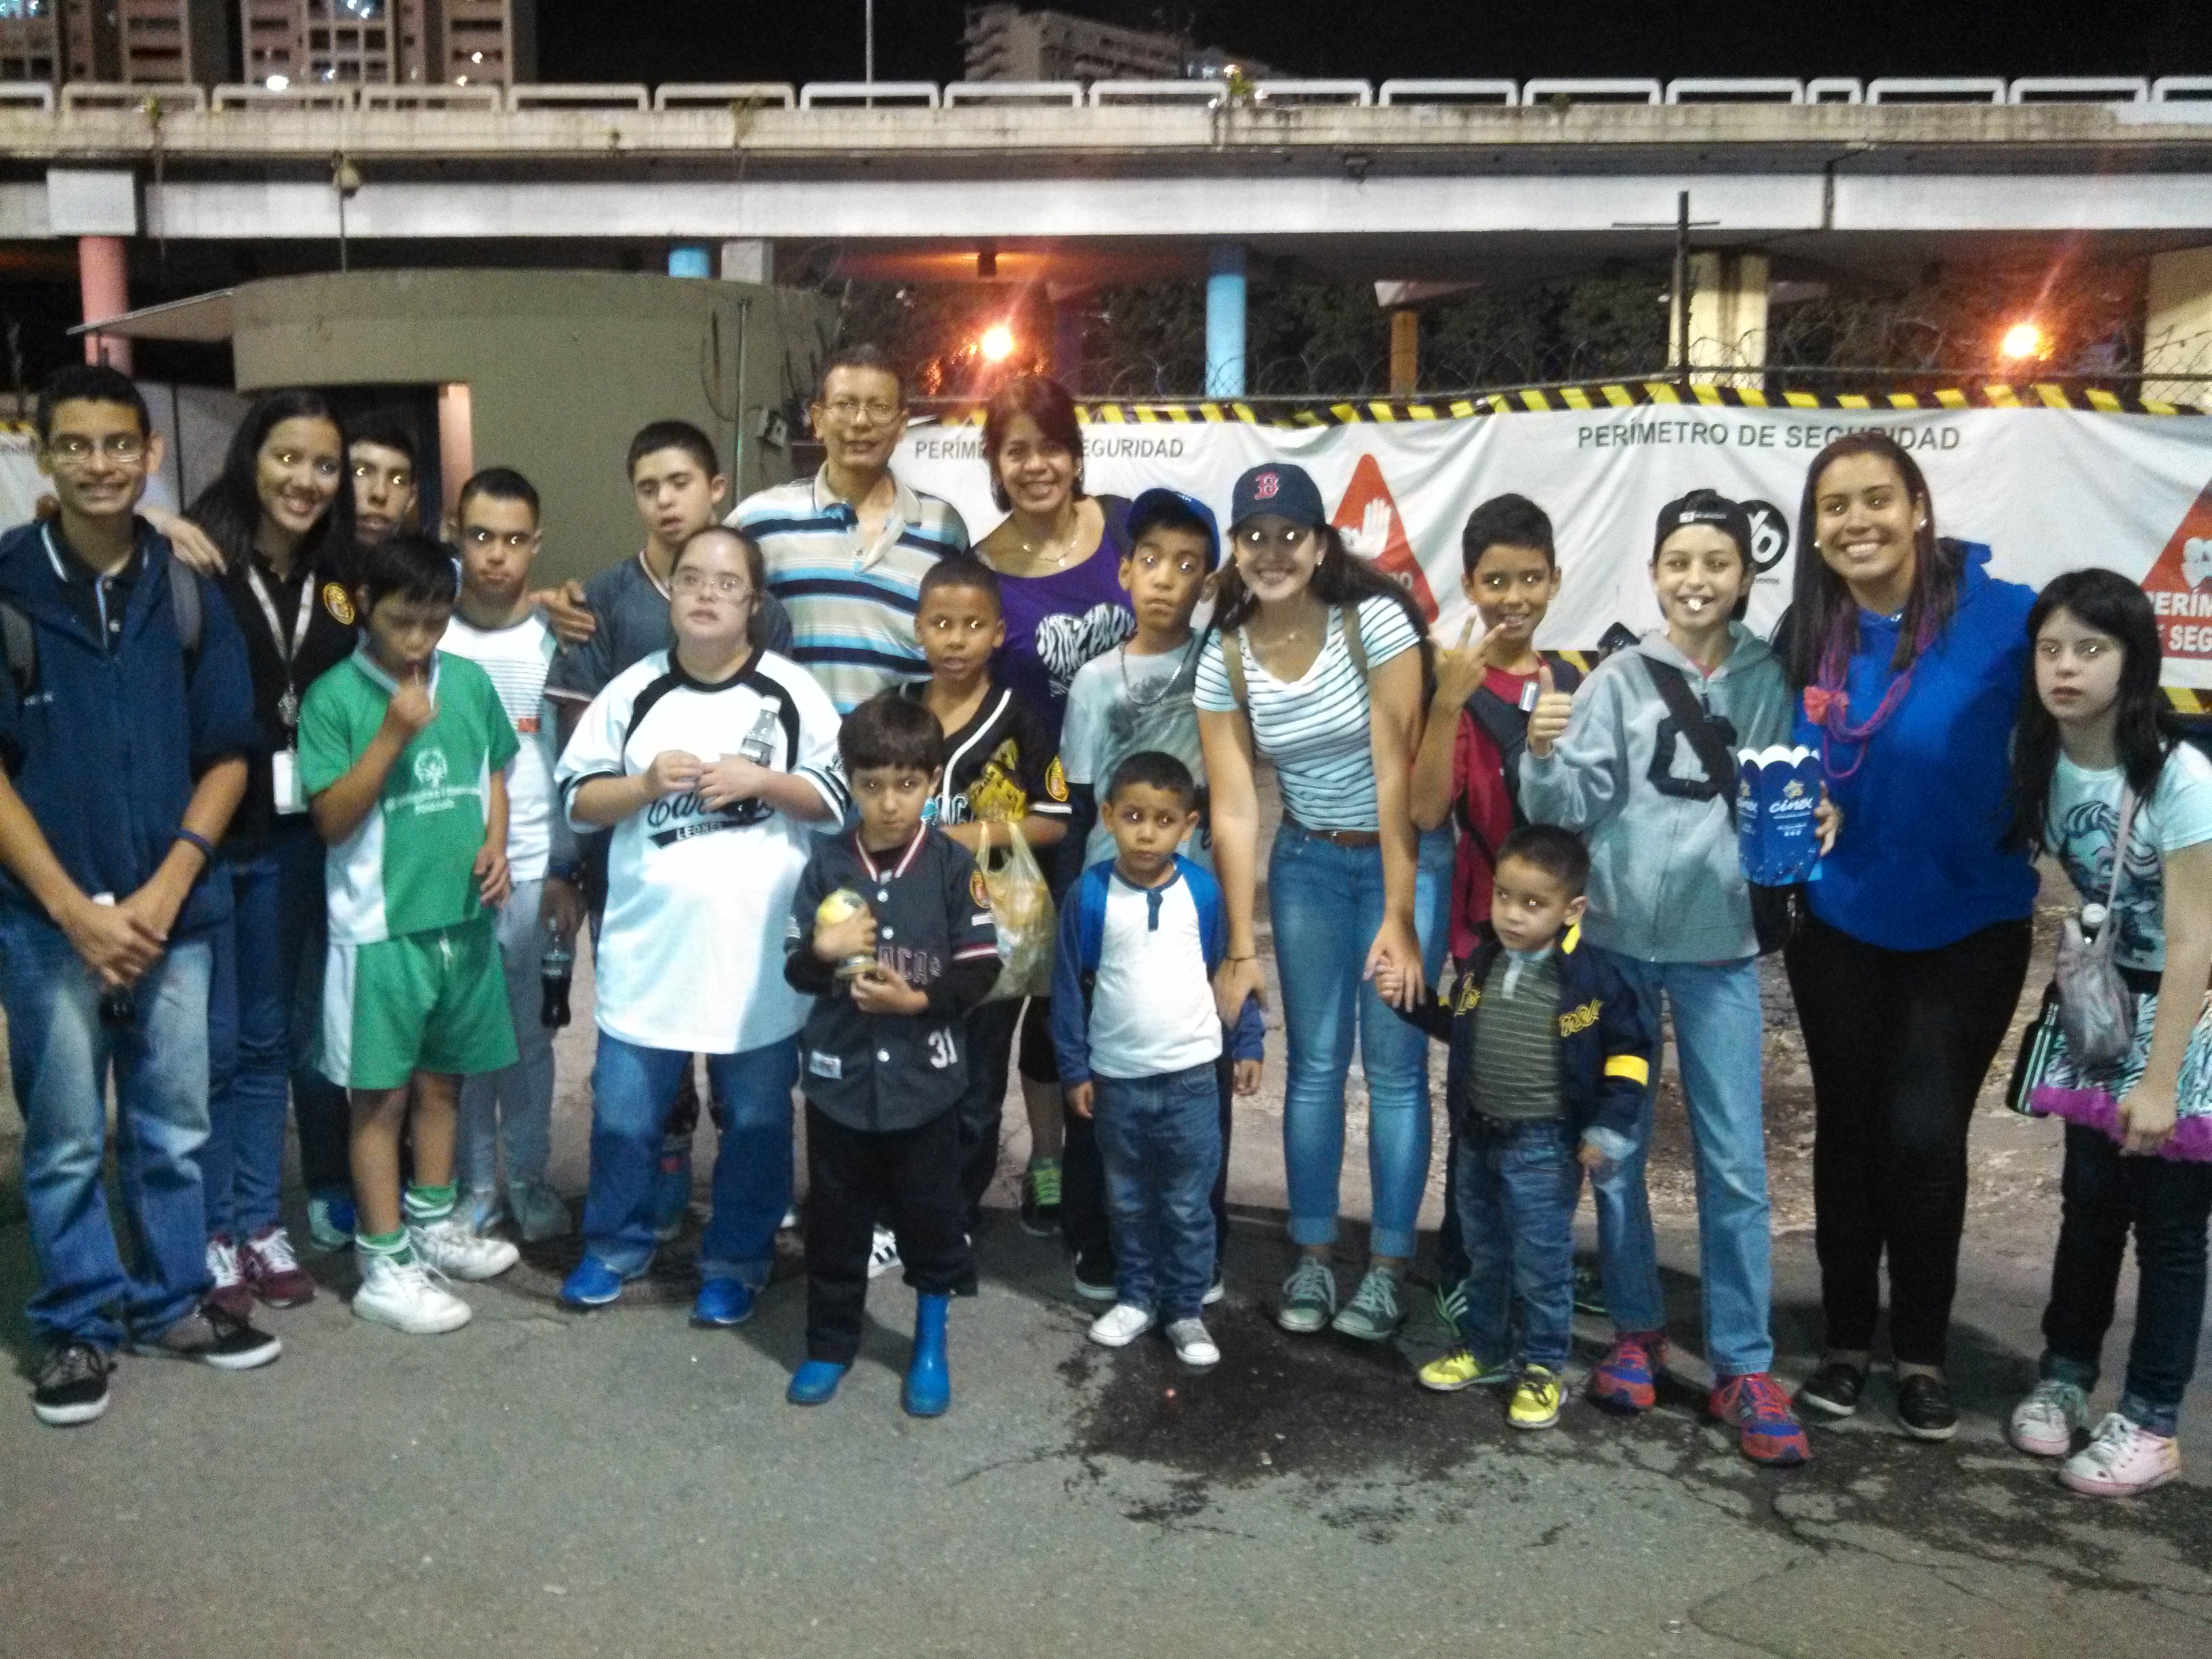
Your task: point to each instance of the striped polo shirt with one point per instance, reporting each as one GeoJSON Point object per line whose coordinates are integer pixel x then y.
{"type": "Point", "coordinates": [851, 601]}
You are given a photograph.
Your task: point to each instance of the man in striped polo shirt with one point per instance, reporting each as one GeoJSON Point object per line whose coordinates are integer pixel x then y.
{"type": "Point", "coordinates": [847, 548]}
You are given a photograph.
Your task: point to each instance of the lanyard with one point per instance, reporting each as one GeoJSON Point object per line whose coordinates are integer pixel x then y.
{"type": "Point", "coordinates": [288, 649]}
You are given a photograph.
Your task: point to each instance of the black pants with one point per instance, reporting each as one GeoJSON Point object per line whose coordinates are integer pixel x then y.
{"type": "Point", "coordinates": [1096, 1248]}
{"type": "Point", "coordinates": [2166, 1202]}
{"type": "Point", "coordinates": [1451, 1244]}
{"type": "Point", "coordinates": [1899, 1042]}
{"type": "Point", "coordinates": [990, 1054]}
{"type": "Point", "coordinates": [854, 1175]}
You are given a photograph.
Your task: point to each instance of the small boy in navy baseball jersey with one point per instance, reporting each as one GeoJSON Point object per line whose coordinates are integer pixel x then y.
{"type": "Point", "coordinates": [892, 933]}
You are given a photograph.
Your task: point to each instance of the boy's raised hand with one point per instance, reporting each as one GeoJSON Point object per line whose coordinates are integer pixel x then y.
{"type": "Point", "coordinates": [1547, 720]}
{"type": "Point", "coordinates": [672, 769]}
{"type": "Point", "coordinates": [1078, 1096]}
{"type": "Point", "coordinates": [1461, 668]}
{"type": "Point", "coordinates": [412, 707]}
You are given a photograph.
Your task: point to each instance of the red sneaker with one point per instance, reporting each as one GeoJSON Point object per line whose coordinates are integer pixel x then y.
{"type": "Point", "coordinates": [265, 1261]}
{"type": "Point", "coordinates": [1769, 1429]}
{"type": "Point", "coordinates": [1627, 1378]}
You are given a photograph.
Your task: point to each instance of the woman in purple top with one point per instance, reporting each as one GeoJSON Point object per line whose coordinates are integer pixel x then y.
{"type": "Point", "coordinates": [1058, 553]}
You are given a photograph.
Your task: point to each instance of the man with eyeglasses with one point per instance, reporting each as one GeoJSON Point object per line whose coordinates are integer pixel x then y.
{"type": "Point", "coordinates": [847, 548]}
{"type": "Point", "coordinates": [125, 720]}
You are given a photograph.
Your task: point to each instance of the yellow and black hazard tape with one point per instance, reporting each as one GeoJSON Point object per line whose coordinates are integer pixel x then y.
{"type": "Point", "coordinates": [1619, 394]}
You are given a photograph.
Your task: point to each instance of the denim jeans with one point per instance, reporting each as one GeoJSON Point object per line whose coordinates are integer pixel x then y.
{"type": "Point", "coordinates": [253, 1058]}
{"type": "Point", "coordinates": [631, 1088]}
{"type": "Point", "coordinates": [1160, 1138]}
{"type": "Point", "coordinates": [511, 1112]}
{"type": "Point", "coordinates": [1717, 1038]}
{"type": "Point", "coordinates": [1327, 905]}
{"type": "Point", "coordinates": [59, 1057]}
{"type": "Point", "coordinates": [1518, 1186]}
{"type": "Point", "coordinates": [2166, 1202]}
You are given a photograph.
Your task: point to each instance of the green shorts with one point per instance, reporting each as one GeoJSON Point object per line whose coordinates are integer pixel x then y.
{"type": "Point", "coordinates": [432, 1001]}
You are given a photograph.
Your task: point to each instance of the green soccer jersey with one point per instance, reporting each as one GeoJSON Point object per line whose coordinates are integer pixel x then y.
{"type": "Point", "coordinates": [411, 865]}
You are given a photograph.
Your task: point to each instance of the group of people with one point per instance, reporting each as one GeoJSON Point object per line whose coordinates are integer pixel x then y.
{"type": "Point", "coordinates": [302, 803]}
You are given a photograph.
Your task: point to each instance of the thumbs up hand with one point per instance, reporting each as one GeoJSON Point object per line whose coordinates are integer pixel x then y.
{"type": "Point", "coordinates": [1547, 720]}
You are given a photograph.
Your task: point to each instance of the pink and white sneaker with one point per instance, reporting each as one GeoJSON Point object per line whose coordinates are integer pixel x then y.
{"type": "Point", "coordinates": [2121, 1460]}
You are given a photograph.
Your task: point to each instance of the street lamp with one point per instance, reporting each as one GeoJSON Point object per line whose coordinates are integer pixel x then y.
{"type": "Point", "coordinates": [2024, 340]}
{"type": "Point", "coordinates": [997, 344]}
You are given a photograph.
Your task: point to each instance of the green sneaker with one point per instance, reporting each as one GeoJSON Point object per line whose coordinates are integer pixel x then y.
{"type": "Point", "coordinates": [1309, 1297]}
{"type": "Point", "coordinates": [1041, 1197]}
{"type": "Point", "coordinates": [1461, 1368]}
{"type": "Point", "coordinates": [1373, 1314]}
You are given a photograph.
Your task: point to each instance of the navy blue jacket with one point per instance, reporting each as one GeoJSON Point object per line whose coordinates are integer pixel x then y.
{"type": "Point", "coordinates": [1606, 1046]}
{"type": "Point", "coordinates": [107, 747]}
{"type": "Point", "coordinates": [1075, 964]}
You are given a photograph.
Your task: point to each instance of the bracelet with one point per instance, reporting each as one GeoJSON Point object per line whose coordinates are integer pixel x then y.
{"type": "Point", "coordinates": [1254, 958]}
{"type": "Point", "coordinates": [569, 871]}
{"type": "Point", "coordinates": [193, 838]}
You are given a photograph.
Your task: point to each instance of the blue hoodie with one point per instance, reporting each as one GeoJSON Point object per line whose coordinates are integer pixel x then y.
{"type": "Point", "coordinates": [1920, 863]}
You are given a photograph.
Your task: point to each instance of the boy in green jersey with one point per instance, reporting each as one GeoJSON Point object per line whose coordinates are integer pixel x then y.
{"type": "Point", "coordinates": [402, 750]}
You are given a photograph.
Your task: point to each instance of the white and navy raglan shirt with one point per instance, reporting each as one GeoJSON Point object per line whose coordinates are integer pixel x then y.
{"type": "Point", "coordinates": [934, 929]}
{"type": "Point", "coordinates": [690, 954]}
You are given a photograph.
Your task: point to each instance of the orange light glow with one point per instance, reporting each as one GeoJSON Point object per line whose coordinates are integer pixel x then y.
{"type": "Point", "coordinates": [997, 344]}
{"type": "Point", "coordinates": [2024, 340]}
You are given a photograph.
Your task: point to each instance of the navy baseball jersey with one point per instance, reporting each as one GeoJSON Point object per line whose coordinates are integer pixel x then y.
{"type": "Point", "coordinates": [934, 929]}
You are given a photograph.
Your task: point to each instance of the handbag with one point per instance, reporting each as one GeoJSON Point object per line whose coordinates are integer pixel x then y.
{"type": "Point", "coordinates": [1778, 913]}
{"type": "Point", "coordinates": [2096, 1010]}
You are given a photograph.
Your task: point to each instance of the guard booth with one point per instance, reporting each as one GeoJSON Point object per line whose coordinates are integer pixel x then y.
{"type": "Point", "coordinates": [551, 373]}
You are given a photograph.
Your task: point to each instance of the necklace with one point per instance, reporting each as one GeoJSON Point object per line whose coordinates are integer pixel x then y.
{"type": "Point", "coordinates": [1035, 550]}
{"type": "Point", "coordinates": [1167, 686]}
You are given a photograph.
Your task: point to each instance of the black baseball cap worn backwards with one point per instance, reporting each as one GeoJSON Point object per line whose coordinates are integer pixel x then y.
{"type": "Point", "coordinates": [1705, 506]}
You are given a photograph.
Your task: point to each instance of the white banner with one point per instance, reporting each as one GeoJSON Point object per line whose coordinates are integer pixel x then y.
{"type": "Point", "coordinates": [2048, 490]}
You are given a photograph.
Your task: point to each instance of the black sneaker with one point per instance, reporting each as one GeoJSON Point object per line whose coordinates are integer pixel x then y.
{"type": "Point", "coordinates": [1094, 1276]}
{"type": "Point", "coordinates": [1834, 1389]}
{"type": "Point", "coordinates": [1924, 1410]}
{"type": "Point", "coordinates": [72, 1385]}
{"type": "Point", "coordinates": [1040, 1211]}
{"type": "Point", "coordinates": [1589, 1292]}
{"type": "Point", "coordinates": [214, 1338]}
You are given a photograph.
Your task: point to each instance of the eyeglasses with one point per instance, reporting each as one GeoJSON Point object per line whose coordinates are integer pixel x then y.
{"type": "Point", "coordinates": [1256, 540]}
{"type": "Point", "coordinates": [75, 449]}
{"type": "Point", "coordinates": [692, 583]}
{"type": "Point", "coordinates": [849, 409]}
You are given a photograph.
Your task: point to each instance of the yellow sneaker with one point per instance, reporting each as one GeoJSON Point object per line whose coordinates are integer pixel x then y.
{"type": "Point", "coordinates": [1536, 1397]}
{"type": "Point", "coordinates": [1460, 1368]}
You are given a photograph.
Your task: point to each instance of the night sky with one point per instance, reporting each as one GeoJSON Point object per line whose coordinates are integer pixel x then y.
{"type": "Point", "coordinates": [799, 40]}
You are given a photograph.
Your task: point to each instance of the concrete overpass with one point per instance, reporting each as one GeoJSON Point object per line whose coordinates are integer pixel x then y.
{"type": "Point", "coordinates": [1158, 183]}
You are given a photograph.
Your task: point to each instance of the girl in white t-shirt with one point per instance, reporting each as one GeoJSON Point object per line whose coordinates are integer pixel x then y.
{"type": "Point", "coordinates": [2097, 748]}
{"type": "Point", "coordinates": [1317, 662]}
{"type": "Point", "coordinates": [708, 762]}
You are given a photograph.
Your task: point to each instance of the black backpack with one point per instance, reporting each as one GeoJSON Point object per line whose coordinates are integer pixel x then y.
{"type": "Point", "coordinates": [1507, 725]}
{"type": "Point", "coordinates": [20, 640]}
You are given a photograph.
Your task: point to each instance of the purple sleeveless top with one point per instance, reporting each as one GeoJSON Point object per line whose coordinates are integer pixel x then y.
{"type": "Point", "coordinates": [1058, 622]}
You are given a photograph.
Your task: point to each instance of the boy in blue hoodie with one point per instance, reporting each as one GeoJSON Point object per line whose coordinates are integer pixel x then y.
{"type": "Point", "coordinates": [1550, 1054]}
{"type": "Point", "coordinates": [1140, 1046]}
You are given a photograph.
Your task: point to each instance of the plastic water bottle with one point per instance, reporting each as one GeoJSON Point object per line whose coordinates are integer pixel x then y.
{"type": "Point", "coordinates": [556, 968]}
{"type": "Point", "coordinates": [759, 746]}
{"type": "Point", "coordinates": [118, 1004]}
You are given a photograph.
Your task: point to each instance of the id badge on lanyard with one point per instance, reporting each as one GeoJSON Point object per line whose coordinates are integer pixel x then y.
{"type": "Point", "coordinates": [288, 797]}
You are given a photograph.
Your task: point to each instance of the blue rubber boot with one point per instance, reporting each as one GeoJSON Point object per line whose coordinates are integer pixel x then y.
{"type": "Point", "coordinates": [815, 1383]}
{"type": "Point", "coordinates": [929, 1388]}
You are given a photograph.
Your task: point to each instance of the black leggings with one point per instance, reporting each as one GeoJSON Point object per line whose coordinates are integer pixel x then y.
{"type": "Point", "coordinates": [1899, 1042]}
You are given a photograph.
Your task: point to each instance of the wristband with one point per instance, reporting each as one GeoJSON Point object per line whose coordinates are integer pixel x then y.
{"type": "Point", "coordinates": [569, 871]}
{"type": "Point", "coordinates": [193, 838]}
{"type": "Point", "coordinates": [1254, 958]}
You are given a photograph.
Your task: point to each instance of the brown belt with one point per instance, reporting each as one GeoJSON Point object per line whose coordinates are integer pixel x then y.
{"type": "Point", "coordinates": [1337, 837]}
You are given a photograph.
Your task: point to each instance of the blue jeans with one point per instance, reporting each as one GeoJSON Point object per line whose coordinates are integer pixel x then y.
{"type": "Point", "coordinates": [1717, 1039]}
{"type": "Point", "coordinates": [631, 1089]}
{"type": "Point", "coordinates": [59, 1058]}
{"type": "Point", "coordinates": [1327, 905]}
{"type": "Point", "coordinates": [1517, 1186]}
{"type": "Point", "coordinates": [253, 1058]}
{"type": "Point", "coordinates": [511, 1111]}
{"type": "Point", "coordinates": [1160, 1138]}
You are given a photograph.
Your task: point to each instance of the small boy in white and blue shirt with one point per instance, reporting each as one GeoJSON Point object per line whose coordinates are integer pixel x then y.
{"type": "Point", "coordinates": [1140, 1043]}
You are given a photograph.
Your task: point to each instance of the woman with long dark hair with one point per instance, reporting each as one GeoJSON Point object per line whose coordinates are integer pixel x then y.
{"type": "Point", "coordinates": [282, 515]}
{"type": "Point", "coordinates": [2102, 779]}
{"type": "Point", "coordinates": [1058, 555]}
{"type": "Point", "coordinates": [1319, 662]}
{"type": "Point", "coordinates": [1906, 657]}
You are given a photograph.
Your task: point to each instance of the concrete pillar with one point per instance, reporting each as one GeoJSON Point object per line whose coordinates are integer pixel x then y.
{"type": "Point", "coordinates": [688, 262]}
{"type": "Point", "coordinates": [1728, 319]}
{"type": "Point", "coordinates": [457, 446]}
{"type": "Point", "coordinates": [1404, 351]}
{"type": "Point", "coordinates": [2178, 328]}
{"type": "Point", "coordinates": [105, 291]}
{"type": "Point", "coordinates": [749, 261]}
{"type": "Point", "coordinates": [1224, 320]}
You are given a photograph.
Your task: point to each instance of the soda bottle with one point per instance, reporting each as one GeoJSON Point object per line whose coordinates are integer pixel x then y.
{"type": "Point", "coordinates": [556, 968]}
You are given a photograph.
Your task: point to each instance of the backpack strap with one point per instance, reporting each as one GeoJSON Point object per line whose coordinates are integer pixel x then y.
{"type": "Point", "coordinates": [187, 607]}
{"type": "Point", "coordinates": [1232, 664]}
{"type": "Point", "coordinates": [1711, 748]}
{"type": "Point", "coordinates": [1354, 646]}
{"type": "Point", "coordinates": [20, 642]}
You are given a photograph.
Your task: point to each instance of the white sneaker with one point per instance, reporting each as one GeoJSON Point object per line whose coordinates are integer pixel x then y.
{"type": "Point", "coordinates": [408, 1296]}
{"type": "Point", "coordinates": [226, 1280]}
{"type": "Point", "coordinates": [884, 1255]}
{"type": "Point", "coordinates": [2121, 1460]}
{"type": "Point", "coordinates": [456, 1249]}
{"type": "Point", "coordinates": [1122, 1324]}
{"type": "Point", "coordinates": [1192, 1343]}
{"type": "Point", "coordinates": [2043, 1424]}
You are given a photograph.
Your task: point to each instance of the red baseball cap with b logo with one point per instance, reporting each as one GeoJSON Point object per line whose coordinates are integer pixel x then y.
{"type": "Point", "coordinates": [1280, 488]}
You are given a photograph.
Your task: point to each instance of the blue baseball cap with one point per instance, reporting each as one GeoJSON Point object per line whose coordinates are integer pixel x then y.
{"type": "Point", "coordinates": [1278, 488]}
{"type": "Point", "coordinates": [1172, 507]}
